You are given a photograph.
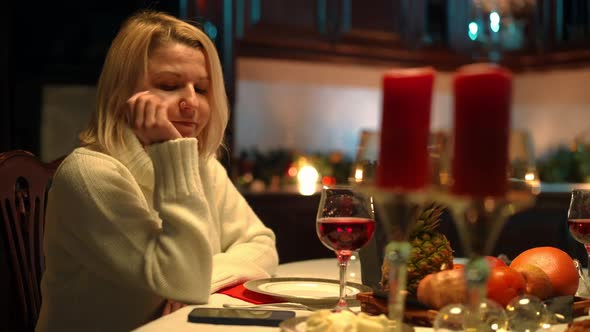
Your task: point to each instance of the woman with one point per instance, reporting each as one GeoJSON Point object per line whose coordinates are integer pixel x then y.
{"type": "Point", "coordinates": [143, 212]}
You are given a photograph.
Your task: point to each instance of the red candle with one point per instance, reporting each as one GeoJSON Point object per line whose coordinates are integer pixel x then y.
{"type": "Point", "coordinates": [405, 126]}
{"type": "Point", "coordinates": [483, 95]}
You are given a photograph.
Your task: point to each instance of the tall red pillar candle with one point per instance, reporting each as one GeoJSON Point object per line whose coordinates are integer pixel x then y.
{"type": "Point", "coordinates": [483, 98]}
{"type": "Point", "coordinates": [405, 126]}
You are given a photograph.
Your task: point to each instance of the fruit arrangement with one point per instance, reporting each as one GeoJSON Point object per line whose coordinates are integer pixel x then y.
{"type": "Point", "coordinates": [543, 272]}
{"type": "Point", "coordinates": [431, 250]}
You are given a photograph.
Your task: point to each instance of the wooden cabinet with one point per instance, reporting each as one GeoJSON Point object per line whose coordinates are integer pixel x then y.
{"type": "Point", "coordinates": [300, 29]}
{"type": "Point", "coordinates": [332, 30]}
{"type": "Point", "coordinates": [520, 34]}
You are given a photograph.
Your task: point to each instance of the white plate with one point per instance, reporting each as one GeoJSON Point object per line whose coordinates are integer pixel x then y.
{"type": "Point", "coordinates": [304, 290]}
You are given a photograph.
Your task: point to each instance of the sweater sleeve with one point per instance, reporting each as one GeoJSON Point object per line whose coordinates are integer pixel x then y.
{"type": "Point", "coordinates": [248, 246]}
{"type": "Point", "coordinates": [107, 225]}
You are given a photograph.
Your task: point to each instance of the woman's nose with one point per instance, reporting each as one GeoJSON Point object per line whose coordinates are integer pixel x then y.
{"type": "Point", "coordinates": [187, 108]}
{"type": "Point", "coordinates": [189, 102]}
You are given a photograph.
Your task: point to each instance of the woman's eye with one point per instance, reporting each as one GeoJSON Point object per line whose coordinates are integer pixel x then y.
{"type": "Point", "coordinates": [168, 87]}
{"type": "Point", "coordinates": [200, 90]}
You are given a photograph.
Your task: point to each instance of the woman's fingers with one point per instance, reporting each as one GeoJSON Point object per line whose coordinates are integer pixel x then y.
{"type": "Point", "coordinates": [161, 116]}
{"type": "Point", "coordinates": [176, 305]}
{"type": "Point", "coordinates": [167, 308]}
{"type": "Point", "coordinates": [139, 113]}
{"type": "Point", "coordinates": [135, 105]}
{"type": "Point", "coordinates": [171, 306]}
{"type": "Point", "coordinates": [150, 114]}
{"type": "Point", "coordinates": [163, 122]}
{"type": "Point", "coordinates": [149, 118]}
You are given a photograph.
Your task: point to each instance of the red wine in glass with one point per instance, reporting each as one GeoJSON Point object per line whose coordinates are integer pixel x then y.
{"type": "Point", "coordinates": [578, 218]}
{"type": "Point", "coordinates": [580, 230]}
{"type": "Point", "coordinates": [345, 233]}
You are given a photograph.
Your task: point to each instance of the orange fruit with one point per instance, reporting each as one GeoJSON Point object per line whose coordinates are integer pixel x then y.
{"type": "Point", "coordinates": [536, 280]}
{"type": "Point", "coordinates": [556, 263]}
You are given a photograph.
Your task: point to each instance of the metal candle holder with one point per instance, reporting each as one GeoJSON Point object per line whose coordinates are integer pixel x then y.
{"type": "Point", "coordinates": [479, 221]}
{"type": "Point", "coordinates": [397, 213]}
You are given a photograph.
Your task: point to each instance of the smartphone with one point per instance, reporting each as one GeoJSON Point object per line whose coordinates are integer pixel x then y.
{"type": "Point", "coordinates": [230, 316]}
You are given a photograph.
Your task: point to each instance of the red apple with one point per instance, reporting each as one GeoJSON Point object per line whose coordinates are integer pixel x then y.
{"type": "Point", "coordinates": [494, 262]}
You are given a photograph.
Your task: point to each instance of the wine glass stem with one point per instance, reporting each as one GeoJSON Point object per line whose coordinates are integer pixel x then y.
{"type": "Point", "coordinates": [397, 253]}
{"type": "Point", "coordinates": [343, 259]}
{"type": "Point", "coordinates": [587, 246]}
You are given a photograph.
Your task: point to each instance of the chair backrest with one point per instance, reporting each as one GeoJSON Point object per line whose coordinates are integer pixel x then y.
{"type": "Point", "coordinates": [24, 181]}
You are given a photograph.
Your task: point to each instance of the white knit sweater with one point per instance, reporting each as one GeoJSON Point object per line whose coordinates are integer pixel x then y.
{"type": "Point", "coordinates": [124, 232]}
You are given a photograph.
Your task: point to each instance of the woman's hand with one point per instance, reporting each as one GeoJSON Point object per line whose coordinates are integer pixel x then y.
{"type": "Point", "coordinates": [149, 118]}
{"type": "Point", "coordinates": [171, 306]}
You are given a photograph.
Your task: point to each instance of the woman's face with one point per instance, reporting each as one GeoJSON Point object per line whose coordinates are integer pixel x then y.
{"type": "Point", "coordinates": [178, 74]}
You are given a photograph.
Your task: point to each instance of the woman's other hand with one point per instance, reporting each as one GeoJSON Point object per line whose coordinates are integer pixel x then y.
{"type": "Point", "coordinates": [171, 306]}
{"type": "Point", "coordinates": [149, 119]}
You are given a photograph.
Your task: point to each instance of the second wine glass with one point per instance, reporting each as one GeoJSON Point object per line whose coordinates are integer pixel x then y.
{"type": "Point", "coordinates": [345, 223]}
{"type": "Point", "coordinates": [578, 219]}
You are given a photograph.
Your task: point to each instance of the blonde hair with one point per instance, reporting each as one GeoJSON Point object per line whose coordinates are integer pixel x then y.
{"type": "Point", "coordinates": [127, 62]}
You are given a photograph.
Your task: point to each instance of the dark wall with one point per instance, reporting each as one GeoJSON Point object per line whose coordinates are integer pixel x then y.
{"type": "Point", "coordinates": [65, 42]}
{"type": "Point", "coordinates": [53, 42]}
{"type": "Point", "coordinates": [5, 91]}
{"type": "Point", "coordinates": [293, 219]}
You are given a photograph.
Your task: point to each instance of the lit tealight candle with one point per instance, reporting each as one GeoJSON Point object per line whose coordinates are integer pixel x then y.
{"type": "Point", "coordinates": [405, 125]}
{"type": "Point", "coordinates": [483, 97]}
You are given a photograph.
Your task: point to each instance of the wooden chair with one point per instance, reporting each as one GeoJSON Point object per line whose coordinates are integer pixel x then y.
{"type": "Point", "coordinates": [24, 181]}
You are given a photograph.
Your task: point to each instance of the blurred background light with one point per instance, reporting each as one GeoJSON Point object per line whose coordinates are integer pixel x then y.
{"type": "Point", "coordinates": [473, 29]}
{"type": "Point", "coordinates": [210, 30]}
{"type": "Point", "coordinates": [494, 21]}
{"type": "Point", "coordinates": [307, 179]}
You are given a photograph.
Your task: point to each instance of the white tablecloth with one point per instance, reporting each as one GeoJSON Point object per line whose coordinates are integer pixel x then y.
{"type": "Point", "coordinates": [318, 268]}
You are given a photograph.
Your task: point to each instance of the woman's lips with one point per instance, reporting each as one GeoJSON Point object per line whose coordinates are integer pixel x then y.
{"type": "Point", "coordinates": [185, 128]}
{"type": "Point", "coordinates": [185, 124]}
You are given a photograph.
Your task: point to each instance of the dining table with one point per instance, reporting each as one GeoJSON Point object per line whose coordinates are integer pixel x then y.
{"type": "Point", "coordinates": [325, 268]}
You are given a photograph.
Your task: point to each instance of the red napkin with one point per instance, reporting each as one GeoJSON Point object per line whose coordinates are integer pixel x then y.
{"type": "Point", "coordinates": [240, 292]}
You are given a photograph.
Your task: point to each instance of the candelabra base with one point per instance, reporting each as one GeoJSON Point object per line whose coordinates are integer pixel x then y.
{"type": "Point", "coordinates": [397, 211]}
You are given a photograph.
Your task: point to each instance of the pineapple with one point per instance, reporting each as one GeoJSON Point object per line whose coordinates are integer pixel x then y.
{"type": "Point", "coordinates": [431, 251]}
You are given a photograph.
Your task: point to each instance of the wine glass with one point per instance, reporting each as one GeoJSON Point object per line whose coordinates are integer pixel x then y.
{"type": "Point", "coordinates": [523, 178]}
{"type": "Point", "coordinates": [365, 162]}
{"type": "Point", "coordinates": [345, 223]}
{"type": "Point", "coordinates": [578, 218]}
